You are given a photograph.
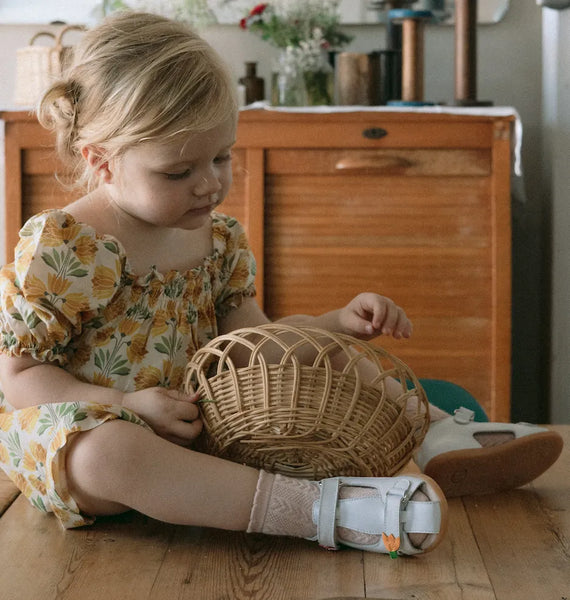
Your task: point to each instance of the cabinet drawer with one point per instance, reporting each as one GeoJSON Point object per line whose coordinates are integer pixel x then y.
{"type": "Point", "coordinates": [379, 161]}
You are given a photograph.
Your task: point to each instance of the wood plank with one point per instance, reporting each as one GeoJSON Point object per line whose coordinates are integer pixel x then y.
{"type": "Point", "coordinates": [227, 565]}
{"type": "Point", "coordinates": [453, 571]}
{"type": "Point", "coordinates": [524, 534]}
{"type": "Point", "coordinates": [132, 557]}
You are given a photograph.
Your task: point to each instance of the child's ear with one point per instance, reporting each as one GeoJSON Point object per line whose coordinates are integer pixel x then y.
{"type": "Point", "coordinates": [94, 157]}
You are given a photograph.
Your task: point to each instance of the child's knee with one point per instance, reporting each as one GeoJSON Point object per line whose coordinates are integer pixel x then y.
{"type": "Point", "coordinates": [96, 463]}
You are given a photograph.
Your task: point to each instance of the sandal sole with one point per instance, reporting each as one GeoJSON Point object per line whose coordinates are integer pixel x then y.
{"type": "Point", "coordinates": [498, 468]}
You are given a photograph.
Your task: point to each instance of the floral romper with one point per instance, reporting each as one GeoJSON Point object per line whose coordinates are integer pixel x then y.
{"type": "Point", "coordinates": [71, 299]}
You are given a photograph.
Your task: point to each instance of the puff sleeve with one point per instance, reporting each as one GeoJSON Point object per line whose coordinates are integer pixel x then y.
{"type": "Point", "coordinates": [236, 273]}
{"type": "Point", "coordinates": [63, 274]}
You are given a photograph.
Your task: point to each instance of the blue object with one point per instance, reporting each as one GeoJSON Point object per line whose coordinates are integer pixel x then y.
{"type": "Point", "coordinates": [409, 103]}
{"type": "Point", "coordinates": [406, 13]}
{"type": "Point", "coordinates": [449, 396]}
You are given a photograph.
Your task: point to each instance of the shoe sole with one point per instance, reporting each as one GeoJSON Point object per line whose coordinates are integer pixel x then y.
{"type": "Point", "coordinates": [497, 468]}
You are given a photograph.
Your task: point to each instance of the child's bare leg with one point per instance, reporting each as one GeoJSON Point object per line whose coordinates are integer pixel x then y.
{"type": "Point", "coordinates": [119, 465]}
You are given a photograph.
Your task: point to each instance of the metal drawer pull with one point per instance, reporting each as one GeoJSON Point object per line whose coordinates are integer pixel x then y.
{"type": "Point", "coordinates": [375, 163]}
{"type": "Point", "coordinates": [374, 133]}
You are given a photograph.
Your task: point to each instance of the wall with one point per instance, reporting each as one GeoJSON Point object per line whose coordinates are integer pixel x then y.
{"type": "Point", "coordinates": [509, 75]}
{"type": "Point", "coordinates": [556, 77]}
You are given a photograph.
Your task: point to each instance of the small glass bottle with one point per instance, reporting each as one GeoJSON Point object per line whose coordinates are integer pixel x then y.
{"type": "Point", "coordinates": [254, 85]}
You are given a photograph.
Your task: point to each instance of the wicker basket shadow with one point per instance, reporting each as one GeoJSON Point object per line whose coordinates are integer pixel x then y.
{"type": "Point", "coordinates": [308, 403]}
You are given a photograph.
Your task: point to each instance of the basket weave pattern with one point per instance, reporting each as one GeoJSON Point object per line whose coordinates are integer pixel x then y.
{"type": "Point", "coordinates": [317, 418]}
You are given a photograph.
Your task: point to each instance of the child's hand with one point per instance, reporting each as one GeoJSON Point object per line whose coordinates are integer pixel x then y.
{"type": "Point", "coordinates": [369, 315]}
{"type": "Point", "coordinates": [172, 415]}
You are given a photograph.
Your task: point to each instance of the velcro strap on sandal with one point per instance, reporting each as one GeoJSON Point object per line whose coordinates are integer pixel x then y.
{"type": "Point", "coordinates": [326, 524]}
{"type": "Point", "coordinates": [395, 497]}
{"type": "Point", "coordinates": [422, 517]}
{"type": "Point", "coordinates": [463, 416]}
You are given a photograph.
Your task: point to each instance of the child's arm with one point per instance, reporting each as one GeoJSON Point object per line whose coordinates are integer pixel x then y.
{"type": "Point", "coordinates": [367, 316]}
{"type": "Point", "coordinates": [28, 382]}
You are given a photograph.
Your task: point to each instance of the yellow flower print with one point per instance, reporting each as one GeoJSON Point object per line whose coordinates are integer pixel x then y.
{"type": "Point", "coordinates": [147, 377]}
{"type": "Point", "coordinates": [4, 457]}
{"type": "Point", "coordinates": [58, 285]}
{"type": "Point", "coordinates": [29, 462]}
{"type": "Point", "coordinates": [38, 484]}
{"type": "Point", "coordinates": [85, 249]}
{"type": "Point", "coordinates": [240, 274]}
{"type": "Point", "coordinates": [80, 357]}
{"type": "Point", "coordinates": [115, 309]}
{"type": "Point", "coordinates": [177, 378]}
{"type": "Point", "coordinates": [137, 350]}
{"type": "Point", "coordinates": [6, 420]}
{"type": "Point", "coordinates": [58, 440]}
{"type": "Point", "coordinates": [22, 484]}
{"type": "Point", "coordinates": [159, 324]}
{"type": "Point", "coordinates": [103, 336]}
{"type": "Point", "coordinates": [28, 417]}
{"type": "Point", "coordinates": [155, 291]}
{"type": "Point", "coordinates": [218, 234]}
{"type": "Point", "coordinates": [73, 305]}
{"type": "Point", "coordinates": [104, 282]}
{"type": "Point", "coordinates": [128, 326]}
{"type": "Point", "coordinates": [242, 242]}
{"type": "Point", "coordinates": [38, 452]}
{"type": "Point", "coordinates": [100, 379]}
{"type": "Point", "coordinates": [54, 234]}
{"type": "Point", "coordinates": [35, 288]}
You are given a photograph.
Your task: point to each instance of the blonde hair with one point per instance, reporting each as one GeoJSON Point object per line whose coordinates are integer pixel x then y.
{"type": "Point", "coordinates": [135, 77]}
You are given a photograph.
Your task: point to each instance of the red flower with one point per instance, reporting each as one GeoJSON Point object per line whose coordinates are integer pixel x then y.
{"type": "Point", "coordinates": [243, 23]}
{"type": "Point", "coordinates": [258, 10]}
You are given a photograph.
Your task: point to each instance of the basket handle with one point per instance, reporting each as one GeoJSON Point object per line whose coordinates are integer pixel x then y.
{"type": "Point", "coordinates": [39, 34]}
{"type": "Point", "coordinates": [64, 30]}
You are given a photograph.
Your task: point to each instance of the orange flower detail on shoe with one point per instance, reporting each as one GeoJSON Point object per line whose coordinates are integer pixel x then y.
{"type": "Point", "coordinates": [392, 544]}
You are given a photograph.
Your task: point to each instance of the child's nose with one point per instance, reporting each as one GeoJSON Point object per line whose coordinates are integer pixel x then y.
{"type": "Point", "coordinates": [208, 183]}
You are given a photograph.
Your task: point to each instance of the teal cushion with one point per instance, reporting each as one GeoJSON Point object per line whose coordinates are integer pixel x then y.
{"type": "Point", "coordinates": [449, 396]}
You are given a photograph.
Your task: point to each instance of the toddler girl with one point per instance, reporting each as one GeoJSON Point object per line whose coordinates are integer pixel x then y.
{"type": "Point", "coordinates": [108, 299]}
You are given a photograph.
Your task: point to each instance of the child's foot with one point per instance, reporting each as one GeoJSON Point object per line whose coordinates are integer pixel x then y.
{"type": "Point", "coordinates": [466, 457]}
{"type": "Point", "coordinates": [396, 515]}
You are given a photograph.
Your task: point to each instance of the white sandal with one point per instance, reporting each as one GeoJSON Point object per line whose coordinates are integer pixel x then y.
{"type": "Point", "coordinates": [389, 514]}
{"type": "Point", "coordinates": [453, 457]}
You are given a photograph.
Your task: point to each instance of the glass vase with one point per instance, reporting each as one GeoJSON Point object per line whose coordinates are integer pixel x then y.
{"type": "Point", "coordinates": [320, 87]}
{"type": "Point", "coordinates": [287, 82]}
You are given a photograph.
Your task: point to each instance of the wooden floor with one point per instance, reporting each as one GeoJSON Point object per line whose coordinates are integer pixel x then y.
{"type": "Point", "coordinates": [512, 546]}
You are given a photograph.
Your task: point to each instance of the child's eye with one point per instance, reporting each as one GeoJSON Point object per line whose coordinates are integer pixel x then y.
{"type": "Point", "coordinates": [223, 158]}
{"type": "Point", "coordinates": [177, 176]}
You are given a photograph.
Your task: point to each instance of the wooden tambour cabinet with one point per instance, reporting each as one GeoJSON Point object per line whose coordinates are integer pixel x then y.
{"type": "Point", "coordinates": [414, 206]}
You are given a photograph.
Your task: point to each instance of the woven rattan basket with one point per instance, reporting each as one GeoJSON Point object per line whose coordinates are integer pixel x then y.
{"type": "Point", "coordinates": [316, 418]}
{"type": "Point", "coordinates": [38, 66]}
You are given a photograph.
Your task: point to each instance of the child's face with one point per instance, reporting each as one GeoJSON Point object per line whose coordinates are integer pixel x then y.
{"type": "Point", "coordinates": [175, 184]}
